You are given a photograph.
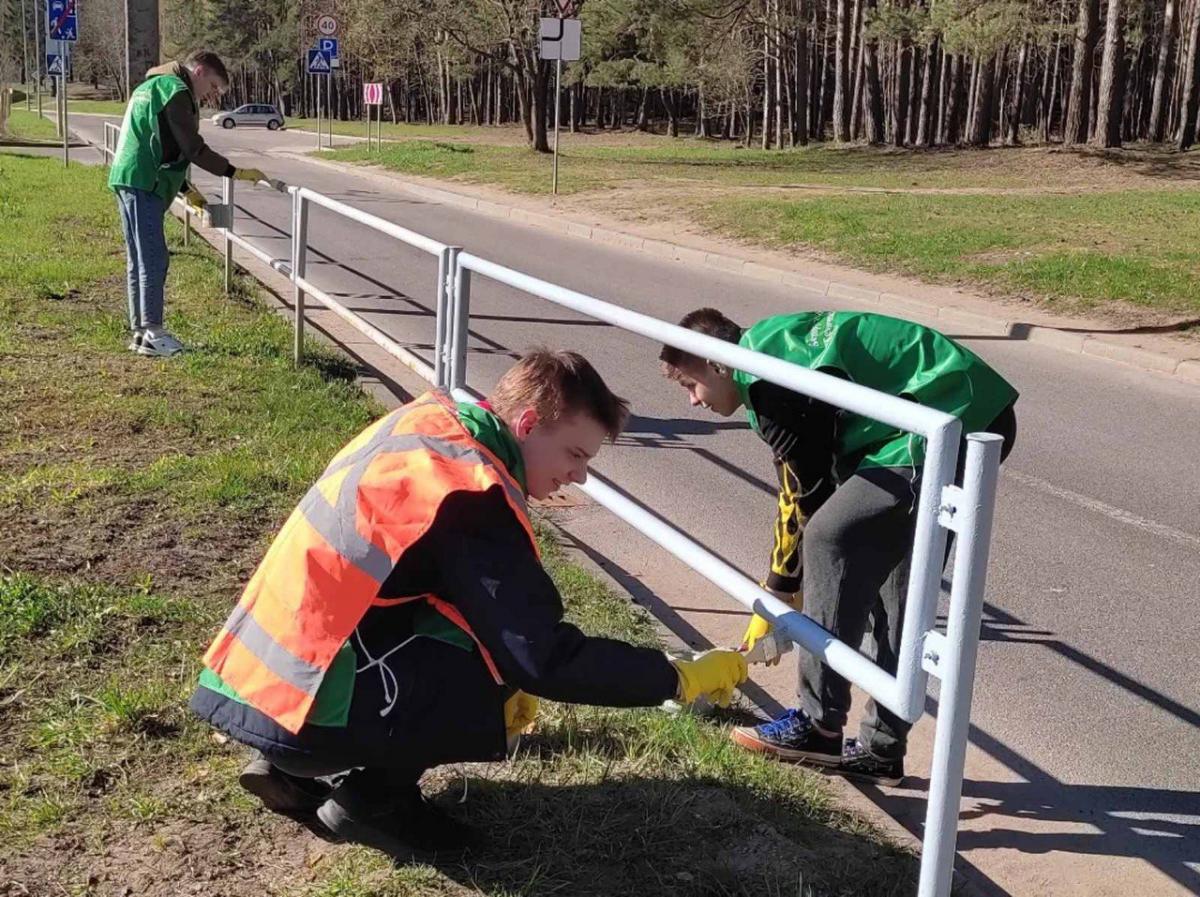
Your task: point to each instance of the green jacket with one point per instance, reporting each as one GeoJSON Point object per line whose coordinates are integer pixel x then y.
{"type": "Point", "coordinates": [138, 160]}
{"type": "Point", "coordinates": [894, 356]}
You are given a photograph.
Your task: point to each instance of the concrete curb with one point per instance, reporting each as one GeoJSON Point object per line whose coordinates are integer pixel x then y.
{"type": "Point", "coordinates": [1183, 367]}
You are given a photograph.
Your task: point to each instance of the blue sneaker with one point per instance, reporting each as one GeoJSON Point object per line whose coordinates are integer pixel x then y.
{"type": "Point", "coordinates": [791, 737]}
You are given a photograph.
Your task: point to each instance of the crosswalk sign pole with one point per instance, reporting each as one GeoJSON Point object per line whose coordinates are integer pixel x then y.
{"type": "Point", "coordinates": [66, 133]}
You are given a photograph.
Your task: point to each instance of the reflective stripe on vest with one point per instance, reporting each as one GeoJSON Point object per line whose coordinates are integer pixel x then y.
{"type": "Point", "coordinates": [376, 498]}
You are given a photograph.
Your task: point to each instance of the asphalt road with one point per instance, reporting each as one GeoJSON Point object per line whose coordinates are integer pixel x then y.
{"type": "Point", "coordinates": [1085, 756]}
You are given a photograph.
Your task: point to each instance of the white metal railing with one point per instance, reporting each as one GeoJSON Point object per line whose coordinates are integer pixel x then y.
{"type": "Point", "coordinates": [966, 510]}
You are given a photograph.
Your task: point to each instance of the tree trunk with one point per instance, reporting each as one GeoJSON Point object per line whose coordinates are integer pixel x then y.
{"type": "Point", "coordinates": [541, 98]}
{"type": "Point", "coordinates": [820, 101]}
{"type": "Point", "coordinates": [872, 92]}
{"type": "Point", "coordinates": [1191, 90]}
{"type": "Point", "coordinates": [1018, 98]}
{"type": "Point", "coordinates": [767, 83]}
{"type": "Point", "coordinates": [972, 97]}
{"type": "Point", "coordinates": [1111, 101]}
{"type": "Point", "coordinates": [1157, 119]}
{"type": "Point", "coordinates": [780, 79]}
{"type": "Point", "coordinates": [925, 116]}
{"type": "Point", "coordinates": [981, 119]}
{"type": "Point", "coordinates": [900, 96]}
{"type": "Point", "coordinates": [1075, 130]}
{"type": "Point", "coordinates": [841, 83]}
{"type": "Point", "coordinates": [1050, 84]}
{"type": "Point", "coordinates": [915, 86]}
{"type": "Point", "coordinates": [802, 74]}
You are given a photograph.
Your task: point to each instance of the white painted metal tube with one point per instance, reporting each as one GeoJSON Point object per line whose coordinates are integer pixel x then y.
{"type": "Point", "coordinates": [925, 571]}
{"type": "Point", "coordinates": [898, 412]}
{"type": "Point", "coordinates": [227, 199]}
{"type": "Point", "coordinates": [299, 268]}
{"type": "Point", "coordinates": [974, 525]}
{"type": "Point", "coordinates": [282, 265]}
{"type": "Point", "coordinates": [374, 334]}
{"type": "Point", "coordinates": [403, 234]}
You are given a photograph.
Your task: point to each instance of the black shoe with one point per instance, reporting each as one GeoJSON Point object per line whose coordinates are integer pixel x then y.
{"type": "Point", "coordinates": [861, 765]}
{"type": "Point", "coordinates": [410, 828]}
{"type": "Point", "coordinates": [791, 737]}
{"type": "Point", "coordinates": [281, 792]}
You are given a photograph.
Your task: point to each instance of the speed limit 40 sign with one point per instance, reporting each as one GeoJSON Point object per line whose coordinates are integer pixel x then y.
{"type": "Point", "coordinates": [327, 25]}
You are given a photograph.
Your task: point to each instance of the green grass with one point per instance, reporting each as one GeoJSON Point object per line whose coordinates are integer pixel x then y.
{"type": "Point", "coordinates": [1137, 247]}
{"type": "Point", "coordinates": [102, 107]}
{"type": "Point", "coordinates": [137, 494]}
{"type": "Point", "coordinates": [23, 125]}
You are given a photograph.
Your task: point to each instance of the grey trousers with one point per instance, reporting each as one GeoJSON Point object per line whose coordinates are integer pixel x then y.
{"type": "Point", "coordinates": [856, 559]}
{"type": "Point", "coordinates": [857, 550]}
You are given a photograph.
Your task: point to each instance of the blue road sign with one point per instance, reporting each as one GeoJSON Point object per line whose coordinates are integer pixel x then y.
{"type": "Point", "coordinates": [328, 46]}
{"type": "Point", "coordinates": [62, 22]}
{"type": "Point", "coordinates": [66, 28]}
{"type": "Point", "coordinates": [318, 63]}
{"type": "Point", "coordinates": [55, 64]}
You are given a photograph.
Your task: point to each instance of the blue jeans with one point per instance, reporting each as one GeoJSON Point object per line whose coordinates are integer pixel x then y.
{"type": "Point", "coordinates": [146, 247]}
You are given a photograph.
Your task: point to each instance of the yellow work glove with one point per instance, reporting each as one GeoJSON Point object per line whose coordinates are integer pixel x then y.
{"type": "Point", "coordinates": [520, 713]}
{"type": "Point", "coordinates": [253, 175]}
{"type": "Point", "coordinates": [194, 198]}
{"type": "Point", "coordinates": [713, 674]}
{"type": "Point", "coordinates": [760, 626]}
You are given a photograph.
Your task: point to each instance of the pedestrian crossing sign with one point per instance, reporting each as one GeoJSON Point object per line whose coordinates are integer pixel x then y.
{"type": "Point", "coordinates": [318, 62]}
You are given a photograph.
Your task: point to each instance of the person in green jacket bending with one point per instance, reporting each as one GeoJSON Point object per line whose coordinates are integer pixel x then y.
{"type": "Point", "coordinates": [847, 500]}
{"type": "Point", "coordinates": [160, 138]}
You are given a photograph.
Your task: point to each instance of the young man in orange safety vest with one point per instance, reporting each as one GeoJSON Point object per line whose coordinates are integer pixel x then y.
{"type": "Point", "coordinates": [402, 619]}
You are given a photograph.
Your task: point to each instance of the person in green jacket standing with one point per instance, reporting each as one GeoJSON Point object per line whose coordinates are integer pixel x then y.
{"type": "Point", "coordinates": [847, 500]}
{"type": "Point", "coordinates": [160, 139]}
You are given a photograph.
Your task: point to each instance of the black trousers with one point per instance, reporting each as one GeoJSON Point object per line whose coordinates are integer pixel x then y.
{"type": "Point", "coordinates": [857, 553]}
{"type": "Point", "coordinates": [442, 706]}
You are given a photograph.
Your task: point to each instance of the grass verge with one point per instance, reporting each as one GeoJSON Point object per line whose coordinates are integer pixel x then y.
{"type": "Point", "coordinates": [137, 494]}
{"type": "Point", "coordinates": [1138, 247]}
{"type": "Point", "coordinates": [28, 125]}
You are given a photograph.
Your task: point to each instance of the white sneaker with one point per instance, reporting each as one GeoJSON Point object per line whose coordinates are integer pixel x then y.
{"type": "Point", "coordinates": [135, 342]}
{"type": "Point", "coordinates": [157, 342]}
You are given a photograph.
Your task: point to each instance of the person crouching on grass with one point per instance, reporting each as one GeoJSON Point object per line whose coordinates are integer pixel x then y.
{"type": "Point", "coordinates": [402, 619]}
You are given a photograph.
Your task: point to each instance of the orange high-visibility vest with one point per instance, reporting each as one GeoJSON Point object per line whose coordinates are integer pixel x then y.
{"type": "Point", "coordinates": [376, 498]}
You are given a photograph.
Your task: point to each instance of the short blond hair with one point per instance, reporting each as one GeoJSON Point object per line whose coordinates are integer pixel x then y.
{"type": "Point", "coordinates": [558, 384]}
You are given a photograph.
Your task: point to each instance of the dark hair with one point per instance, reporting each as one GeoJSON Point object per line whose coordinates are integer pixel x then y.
{"type": "Point", "coordinates": [557, 385]}
{"type": "Point", "coordinates": [210, 61]}
{"type": "Point", "coordinates": [708, 321]}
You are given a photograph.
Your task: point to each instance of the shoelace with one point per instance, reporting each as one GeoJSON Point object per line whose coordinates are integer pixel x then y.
{"type": "Point", "coordinates": [786, 724]}
{"type": "Point", "coordinates": [391, 686]}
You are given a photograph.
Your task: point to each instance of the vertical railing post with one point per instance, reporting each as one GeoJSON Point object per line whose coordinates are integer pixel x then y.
{"type": "Point", "coordinates": [447, 262]}
{"type": "Point", "coordinates": [187, 225]}
{"type": "Point", "coordinates": [227, 199]}
{"type": "Point", "coordinates": [973, 525]}
{"type": "Point", "coordinates": [460, 317]}
{"type": "Point", "coordinates": [299, 267]}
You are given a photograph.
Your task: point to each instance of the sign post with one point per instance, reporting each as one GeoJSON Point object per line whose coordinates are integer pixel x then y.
{"type": "Point", "coordinates": [318, 64]}
{"type": "Point", "coordinates": [559, 39]}
{"type": "Point", "coordinates": [327, 45]}
{"type": "Point", "coordinates": [373, 96]}
{"type": "Point", "coordinates": [62, 25]}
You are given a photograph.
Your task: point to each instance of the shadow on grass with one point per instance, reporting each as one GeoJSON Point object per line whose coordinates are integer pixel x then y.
{"type": "Point", "coordinates": [657, 835]}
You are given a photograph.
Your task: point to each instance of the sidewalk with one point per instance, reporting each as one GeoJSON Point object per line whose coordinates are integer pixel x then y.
{"type": "Point", "coordinates": [1144, 348]}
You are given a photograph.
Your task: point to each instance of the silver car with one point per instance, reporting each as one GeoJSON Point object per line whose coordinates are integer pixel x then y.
{"type": "Point", "coordinates": [251, 114]}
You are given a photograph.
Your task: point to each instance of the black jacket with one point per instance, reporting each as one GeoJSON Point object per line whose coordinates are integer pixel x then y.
{"type": "Point", "coordinates": [476, 556]}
